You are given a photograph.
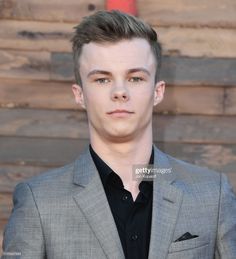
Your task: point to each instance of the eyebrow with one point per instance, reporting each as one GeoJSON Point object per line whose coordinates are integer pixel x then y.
{"type": "Point", "coordinates": [130, 71]}
{"type": "Point", "coordinates": [95, 72]}
{"type": "Point", "coordinates": [139, 69]}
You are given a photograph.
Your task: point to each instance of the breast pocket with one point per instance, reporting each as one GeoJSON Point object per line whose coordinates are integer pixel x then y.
{"type": "Point", "coordinates": [189, 244]}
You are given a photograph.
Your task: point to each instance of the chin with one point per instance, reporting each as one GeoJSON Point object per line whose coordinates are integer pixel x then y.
{"type": "Point", "coordinates": [120, 139]}
{"type": "Point", "coordinates": [120, 136]}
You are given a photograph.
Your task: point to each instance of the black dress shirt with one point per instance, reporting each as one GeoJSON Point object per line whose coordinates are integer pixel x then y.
{"type": "Point", "coordinates": [132, 218]}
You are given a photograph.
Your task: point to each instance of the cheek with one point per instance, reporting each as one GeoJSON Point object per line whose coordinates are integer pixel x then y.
{"type": "Point", "coordinates": [91, 99]}
{"type": "Point", "coordinates": [95, 104]}
{"type": "Point", "coordinates": [96, 94]}
{"type": "Point", "coordinates": [144, 96]}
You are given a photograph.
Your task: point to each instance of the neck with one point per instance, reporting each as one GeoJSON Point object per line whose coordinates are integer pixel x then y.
{"type": "Point", "coordinates": [123, 155]}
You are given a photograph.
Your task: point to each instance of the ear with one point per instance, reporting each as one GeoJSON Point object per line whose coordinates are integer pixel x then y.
{"type": "Point", "coordinates": [79, 96]}
{"type": "Point", "coordinates": [159, 92]}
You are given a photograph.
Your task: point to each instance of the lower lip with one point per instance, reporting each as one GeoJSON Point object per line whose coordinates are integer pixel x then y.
{"type": "Point", "coordinates": [120, 114]}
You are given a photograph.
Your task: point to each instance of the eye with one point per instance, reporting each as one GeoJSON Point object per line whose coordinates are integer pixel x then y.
{"type": "Point", "coordinates": [102, 80]}
{"type": "Point", "coordinates": [136, 79]}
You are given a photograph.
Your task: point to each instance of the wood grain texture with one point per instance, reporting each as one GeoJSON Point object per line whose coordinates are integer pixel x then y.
{"type": "Point", "coordinates": [58, 95]}
{"type": "Point", "coordinates": [2, 225]}
{"type": "Point", "coordinates": [57, 152]}
{"type": "Point", "coordinates": [230, 103]}
{"type": "Point", "coordinates": [43, 123]}
{"type": "Point", "coordinates": [5, 206]}
{"type": "Point", "coordinates": [62, 67]}
{"type": "Point", "coordinates": [36, 94]}
{"type": "Point", "coordinates": [189, 99]}
{"type": "Point", "coordinates": [11, 175]}
{"type": "Point", "coordinates": [1, 239]}
{"type": "Point", "coordinates": [167, 13]}
{"type": "Point", "coordinates": [25, 64]}
{"type": "Point", "coordinates": [194, 129]}
{"type": "Point", "coordinates": [219, 157]}
{"type": "Point", "coordinates": [189, 12]}
{"type": "Point", "coordinates": [199, 71]}
{"type": "Point", "coordinates": [53, 10]}
{"type": "Point", "coordinates": [198, 42]}
{"type": "Point", "coordinates": [73, 124]}
{"type": "Point", "coordinates": [192, 42]}
{"type": "Point", "coordinates": [232, 179]}
{"type": "Point", "coordinates": [36, 36]}
{"type": "Point", "coordinates": [39, 151]}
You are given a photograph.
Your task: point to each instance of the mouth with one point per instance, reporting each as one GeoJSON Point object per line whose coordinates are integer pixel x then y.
{"type": "Point", "coordinates": [120, 113]}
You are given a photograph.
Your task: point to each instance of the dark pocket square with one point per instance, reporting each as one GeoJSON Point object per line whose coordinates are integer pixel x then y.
{"type": "Point", "coordinates": [185, 236]}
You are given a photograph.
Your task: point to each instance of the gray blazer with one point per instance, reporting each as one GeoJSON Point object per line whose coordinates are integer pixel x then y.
{"type": "Point", "coordinates": [64, 214]}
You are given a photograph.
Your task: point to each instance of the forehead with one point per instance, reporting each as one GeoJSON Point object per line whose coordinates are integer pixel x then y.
{"type": "Point", "coordinates": [124, 54]}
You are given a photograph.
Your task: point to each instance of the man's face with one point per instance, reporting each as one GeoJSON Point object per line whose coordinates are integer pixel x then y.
{"type": "Point", "coordinates": [119, 90]}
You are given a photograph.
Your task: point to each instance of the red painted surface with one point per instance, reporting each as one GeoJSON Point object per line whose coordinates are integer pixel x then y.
{"type": "Point", "coordinates": [127, 6]}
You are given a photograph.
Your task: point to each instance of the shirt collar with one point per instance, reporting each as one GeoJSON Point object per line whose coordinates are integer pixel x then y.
{"type": "Point", "coordinates": [104, 170]}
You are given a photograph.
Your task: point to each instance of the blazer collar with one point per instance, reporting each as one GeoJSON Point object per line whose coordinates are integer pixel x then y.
{"type": "Point", "coordinates": [84, 168]}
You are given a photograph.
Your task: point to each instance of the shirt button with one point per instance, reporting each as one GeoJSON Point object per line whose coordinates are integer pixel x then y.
{"type": "Point", "coordinates": [134, 237]}
{"type": "Point", "coordinates": [125, 198]}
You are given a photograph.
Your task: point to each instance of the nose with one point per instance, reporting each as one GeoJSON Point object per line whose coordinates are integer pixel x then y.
{"type": "Point", "coordinates": [120, 94]}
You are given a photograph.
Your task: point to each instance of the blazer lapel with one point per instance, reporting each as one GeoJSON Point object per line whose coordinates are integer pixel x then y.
{"type": "Point", "coordinates": [92, 200]}
{"type": "Point", "coordinates": [167, 200]}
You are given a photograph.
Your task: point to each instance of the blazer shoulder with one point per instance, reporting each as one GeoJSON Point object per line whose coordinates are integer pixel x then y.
{"type": "Point", "coordinates": [52, 177]}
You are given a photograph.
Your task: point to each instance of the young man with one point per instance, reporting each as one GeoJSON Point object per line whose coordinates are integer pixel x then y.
{"type": "Point", "coordinates": [97, 207]}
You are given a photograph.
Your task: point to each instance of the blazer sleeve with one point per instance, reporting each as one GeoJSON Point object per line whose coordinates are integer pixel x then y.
{"type": "Point", "coordinates": [226, 236]}
{"type": "Point", "coordinates": [23, 235]}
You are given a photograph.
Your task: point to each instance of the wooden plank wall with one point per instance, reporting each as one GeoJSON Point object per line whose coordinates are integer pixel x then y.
{"type": "Point", "coordinates": [40, 125]}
